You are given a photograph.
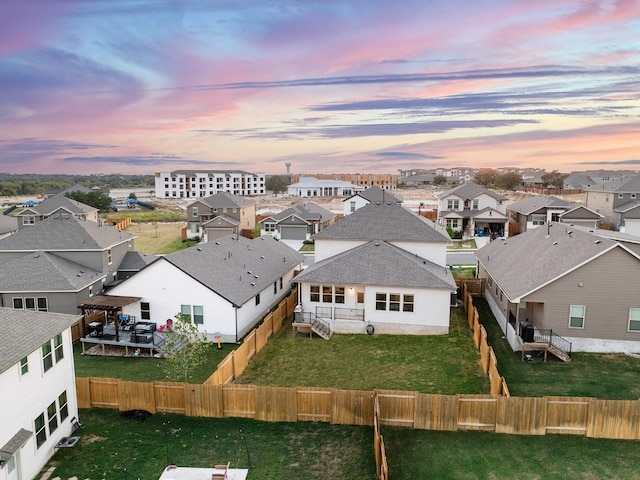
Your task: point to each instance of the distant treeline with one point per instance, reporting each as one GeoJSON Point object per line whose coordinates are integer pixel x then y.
{"type": "Point", "coordinates": [37, 184]}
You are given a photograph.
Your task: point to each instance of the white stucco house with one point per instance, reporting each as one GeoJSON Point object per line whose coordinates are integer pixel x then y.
{"type": "Point", "coordinates": [226, 286]}
{"type": "Point", "coordinates": [317, 187]}
{"type": "Point", "coordinates": [37, 389]}
{"type": "Point", "coordinates": [382, 267]}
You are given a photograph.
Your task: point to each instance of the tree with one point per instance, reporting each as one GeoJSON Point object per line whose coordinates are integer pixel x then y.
{"type": "Point", "coordinates": [184, 349]}
{"type": "Point", "coordinates": [486, 177]}
{"type": "Point", "coordinates": [94, 199]}
{"type": "Point", "coordinates": [555, 179]}
{"type": "Point", "coordinates": [509, 181]}
{"type": "Point", "coordinates": [277, 183]}
{"type": "Point", "coordinates": [439, 180]}
{"type": "Point", "coordinates": [133, 196]}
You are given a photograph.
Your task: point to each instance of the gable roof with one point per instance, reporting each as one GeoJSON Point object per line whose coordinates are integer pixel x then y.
{"type": "Point", "coordinates": [384, 221]}
{"type": "Point", "coordinates": [225, 200]}
{"type": "Point", "coordinates": [57, 202]}
{"type": "Point", "coordinates": [235, 267]}
{"type": "Point", "coordinates": [309, 212]}
{"type": "Point", "coordinates": [469, 191]}
{"type": "Point", "coordinates": [224, 218]}
{"type": "Point", "coordinates": [524, 263]}
{"type": "Point", "coordinates": [379, 263]}
{"type": "Point", "coordinates": [529, 205]}
{"type": "Point", "coordinates": [376, 194]}
{"type": "Point", "coordinates": [24, 331]}
{"type": "Point", "coordinates": [64, 232]}
{"type": "Point", "coordinates": [45, 272]}
{"type": "Point", "coordinates": [580, 212]}
{"type": "Point", "coordinates": [621, 184]}
{"type": "Point", "coordinates": [136, 261]}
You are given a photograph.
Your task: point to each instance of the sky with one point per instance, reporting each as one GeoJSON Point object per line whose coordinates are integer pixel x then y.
{"type": "Point", "coordinates": [329, 86]}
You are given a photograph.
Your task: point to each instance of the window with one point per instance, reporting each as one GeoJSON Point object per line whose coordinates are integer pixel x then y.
{"type": "Point", "coordinates": [47, 358]}
{"type": "Point", "coordinates": [280, 283]}
{"type": "Point", "coordinates": [194, 211]}
{"type": "Point", "coordinates": [145, 311]}
{"type": "Point", "coordinates": [52, 417]}
{"type": "Point", "coordinates": [198, 314]}
{"type": "Point", "coordinates": [30, 303]}
{"type": "Point", "coordinates": [275, 287]}
{"type": "Point", "coordinates": [63, 408]}
{"type": "Point", "coordinates": [258, 299]}
{"type": "Point", "coordinates": [18, 303]}
{"type": "Point", "coordinates": [327, 294]}
{"type": "Point", "coordinates": [41, 431]}
{"type": "Point", "coordinates": [109, 257]}
{"type": "Point", "coordinates": [352, 206]}
{"type": "Point", "coordinates": [185, 311]}
{"type": "Point", "coordinates": [476, 204]}
{"type": "Point", "coordinates": [407, 303]}
{"type": "Point", "coordinates": [269, 227]}
{"type": "Point", "coordinates": [576, 318]}
{"type": "Point", "coordinates": [452, 222]}
{"type": "Point", "coordinates": [339, 295]}
{"type": "Point", "coordinates": [453, 204]}
{"type": "Point", "coordinates": [57, 347]}
{"type": "Point", "coordinates": [314, 294]}
{"type": "Point", "coordinates": [28, 220]}
{"type": "Point", "coordinates": [24, 366]}
{"type": "Point", "coordinates": [381, 301]}
{"type": "Point", "coordinates": [394, 302]}
{"type": "Point", "coordinates": [538, 219]}
{"type": "Point", "coordinates": [360, 297]}
{"type": "Point", "coordinates": [634, 319]}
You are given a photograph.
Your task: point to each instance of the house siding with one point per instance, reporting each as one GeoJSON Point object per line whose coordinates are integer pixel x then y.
{"type": "Point", "coordinates": [609, 290]}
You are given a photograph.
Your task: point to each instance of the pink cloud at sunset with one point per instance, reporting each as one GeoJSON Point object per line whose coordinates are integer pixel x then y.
{"type": "Point", "coordinates": [139, 86]}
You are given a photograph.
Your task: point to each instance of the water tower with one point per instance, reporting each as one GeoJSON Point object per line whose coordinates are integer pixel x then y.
{"type": "Point", "coordinates": [288, 165]}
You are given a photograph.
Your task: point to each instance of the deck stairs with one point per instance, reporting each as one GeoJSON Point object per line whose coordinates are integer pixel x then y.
{"type": "Point", "coordinates": [317, 325]}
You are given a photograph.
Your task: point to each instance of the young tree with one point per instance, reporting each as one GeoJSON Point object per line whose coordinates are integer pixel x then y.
{"type": "Point", "coordinates": [184, 349]}
{"type": "Point", "coordinates": [277, 183]}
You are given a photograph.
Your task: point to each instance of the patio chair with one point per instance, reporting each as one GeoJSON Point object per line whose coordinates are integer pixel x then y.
{"type": "Point", "coordinates": [220, 472]}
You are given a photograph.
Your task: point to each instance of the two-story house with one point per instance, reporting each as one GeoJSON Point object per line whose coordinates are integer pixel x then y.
{"type": "Point", "coordinates": [37, 389]}
{"type": "Point", "coordinates": [471, 209]}
{"type": "Point", "coordinates": [219, 215]}
{"type": "Point", "coordinates": [55, 264]}
{"type": "Point", "coordinates": [365, 197]}
{"type": "Point", "coordinates": [382, 268]}
{"type": "Point", "coordinates": [56, 205]}
{"type": "Point", "coordinates": [616, 200]}
{"type": "Point", "coordinates": [535, 211]}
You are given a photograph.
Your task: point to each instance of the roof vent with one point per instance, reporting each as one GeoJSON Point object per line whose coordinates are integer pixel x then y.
{"type": "Point", "coordinates": [555, 243]}
{"type": "Point", "coordinates": [597, 242]}
{"type": "Point", "coordinates": [253, 284]}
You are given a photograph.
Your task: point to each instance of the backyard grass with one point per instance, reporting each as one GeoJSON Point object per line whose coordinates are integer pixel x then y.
{"type": "Point", "coordinates": [445, 364]}
{"type": "Point", "coordinates": [417, 454]}
{"type": "Point", "coordinates": [158, 238]}
{"type": "Point", "coordinates": [114, 447]}
{"type": "Point", "coordinates": [603, 376]}
{"type": "Point", "coordinates": [142, 369]}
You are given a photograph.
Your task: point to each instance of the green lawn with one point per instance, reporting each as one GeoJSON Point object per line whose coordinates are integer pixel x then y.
{"type": "Point", "coordinates": [604, 376]}
{"type": "Point", "coordinates": [143, 369]}
{"type": "Point", "coordinates": [445, 364]}
{"type": "Point", "coordinates": [418, 454]}
{"type": "Point", "coordinates": [114, 447]}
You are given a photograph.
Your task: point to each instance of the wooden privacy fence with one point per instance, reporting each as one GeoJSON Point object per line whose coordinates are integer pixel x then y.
{"type": "Point", "coordinates": [382, 468]}
{"type": "Point", "coordinates": [487, 356]}
{"type": "Point", "coordinates": [615, 419]}
{"type": "Point", "coordinates": [232, 366]}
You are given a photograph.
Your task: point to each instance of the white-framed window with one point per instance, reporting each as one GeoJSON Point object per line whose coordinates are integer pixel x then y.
{"type": "Point", "coordinates": [452, 223]}
{"type": "Point", "coordinates": [52, 417]}
{"type": "Point", "coordinates": [453, 204]}
{"type": "Point", "coordinates": [198, 314]}
{"type": "Point", "coordinates": [538, 219]}
{"type": "Point", "coordinates": [31, 303]}
{"type": "Point", "coordinates": [109, 257]}
{"type": "Point", "coordinates": [258, 299]}
{"type": "Point", "coordinates": [47, 356]}
{"type": "Point", "coordinates": [185, 311]}
{"type": "Point", "coordinates": [359, 297]}
{"type": "Point", "coordinates": [475, 204]}
{"type": "Point", "coordinates": [407, 302]}
{"type": "Point", "coordinates": [576, 316]}
{"type": "Point", "coordinates": [634, 319]}
{"type": "Point", "coordinates": [194, 211]}
{"type": "Point", "coordinates": [24, 365]}
{"type": "Point", "coordinates": [381, 301]}
{"type": "Point", "coordinates": [275, 287]}
{"type": "Point", "coordinates": [314, 293]}
{"type": "Point", "coordinates": [394, 302]}
{"type": "Point", "coordinates": [28, 220]}
{"type": "Point", "coordinates": [352, 206]}
{"type": "Point", "coordinates": [339, 295]}
{"type": "Point", "coordinates": [269, 227]}
{"type": "Point", "coordinates": [63, 406]}
{"type": "Point", "coordinates": [58, 349]}
{"type": "Point", "coordinates": [327, 293]}
{"type": "Point", "coordinates": [40, 427]}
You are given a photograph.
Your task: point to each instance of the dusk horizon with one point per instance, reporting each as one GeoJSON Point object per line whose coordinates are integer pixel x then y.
{"type": "Point", "coordinates": [145, 86]}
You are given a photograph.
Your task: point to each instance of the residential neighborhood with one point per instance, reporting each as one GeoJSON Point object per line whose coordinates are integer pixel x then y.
{"type": "Point", "coordinates": [557, 276]}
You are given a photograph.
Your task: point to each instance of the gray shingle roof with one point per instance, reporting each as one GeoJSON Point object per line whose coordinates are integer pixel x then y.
{"type": "Point", "coordinates": [226, 200]}
{"type": "Point", "coordinates": [528, 261]}
{"type": "Point", "coordinates": [580, 213]}
{"type": "Point", "coordinates": [377, 194]}
{"type": "Point", "coordinates": [24, 331]}
{"type": "Point", "coordinates": [135, 261]}
{"type": "Point", "coordinates": [379, 263]}
{"type": "Point", "coordinates": [384, 221]}
{"type": "Point", "coordinates": [230, 265]}
{"type": "Point", "coordinates": [527, 206]}
{"type": "Point", "coordinates": [64, 232]}
{"type": "Point", "coordinates": [8, 224]}
{"type": "Point", "coordinates": [57, 202]}
{"type": "Point", "coordinates": [45, 272]}
{"type": "Point", "coordinates": [469, 191]}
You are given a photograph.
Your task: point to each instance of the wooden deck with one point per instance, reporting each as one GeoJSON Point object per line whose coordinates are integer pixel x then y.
{"type": "Point", "coordinates": [128, 339]}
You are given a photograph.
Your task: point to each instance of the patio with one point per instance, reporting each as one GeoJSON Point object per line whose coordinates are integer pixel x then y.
{"type": "Point", "coordinates": [173, 472]}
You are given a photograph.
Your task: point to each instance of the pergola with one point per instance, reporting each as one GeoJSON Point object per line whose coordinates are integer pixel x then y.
{"type": "Point", "coordinates": [111, 304]}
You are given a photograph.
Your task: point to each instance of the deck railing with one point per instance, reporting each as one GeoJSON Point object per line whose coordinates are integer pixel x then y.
{"type": "Point", "coordinates": [551, 338]}
{"type": "Point", "coordinates": [348, 314]}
